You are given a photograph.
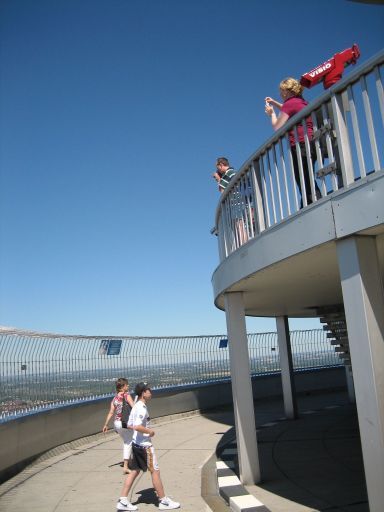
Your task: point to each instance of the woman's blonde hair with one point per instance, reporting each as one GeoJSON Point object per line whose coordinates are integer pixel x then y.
{"type": "Point", "coordinates": [292, 85]}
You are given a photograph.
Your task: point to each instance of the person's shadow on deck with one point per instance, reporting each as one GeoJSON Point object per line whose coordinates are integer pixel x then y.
{"type": "Point", "coordinates": [147, 496]}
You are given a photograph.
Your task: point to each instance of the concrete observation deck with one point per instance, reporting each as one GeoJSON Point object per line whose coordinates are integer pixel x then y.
{"type": "Point", "coordinates": [87, 475]}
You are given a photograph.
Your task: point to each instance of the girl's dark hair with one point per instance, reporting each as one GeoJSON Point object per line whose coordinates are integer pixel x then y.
{"type": "Point", "coordinates": [120, 383]}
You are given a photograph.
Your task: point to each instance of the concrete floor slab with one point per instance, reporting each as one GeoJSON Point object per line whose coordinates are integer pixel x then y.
{"type": "Point", "coordinates": [311, 464]}
{"type": "Point", "coordinates": [91, 477]}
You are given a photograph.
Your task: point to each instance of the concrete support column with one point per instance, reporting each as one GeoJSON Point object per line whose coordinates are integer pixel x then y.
{"type": "Point", "coordinates": [287, 379]}
{"type": "Point", "coordinates": [363, 296]}
{"type": "Point", "coordinates": [242, 389]}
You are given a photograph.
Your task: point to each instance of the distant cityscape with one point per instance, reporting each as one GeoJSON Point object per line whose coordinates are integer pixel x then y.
{"type": "Point", "coordinates": [24, 391]}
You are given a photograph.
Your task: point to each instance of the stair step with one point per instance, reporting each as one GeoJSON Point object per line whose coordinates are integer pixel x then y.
{"type": "Point", "coordinates": [332, 318]}
{"type": "Point", "coordinates": [330, 327]}
{"type": "Point", "coordinates": [338, 341]}
{"type": "Point", "coordinates": [337, 335]}
{"type": "Point", "coordinates": [337, 308]}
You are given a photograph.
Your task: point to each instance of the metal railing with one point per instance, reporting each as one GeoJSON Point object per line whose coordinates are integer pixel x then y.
{"type": "Point", "coordinates": [346, 145]}
{"type": "Point", "coordinates": [40, 371]}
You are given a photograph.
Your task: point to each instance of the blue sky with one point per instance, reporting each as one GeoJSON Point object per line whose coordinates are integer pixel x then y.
{"type": "Point", "coordinates": [112, 115]}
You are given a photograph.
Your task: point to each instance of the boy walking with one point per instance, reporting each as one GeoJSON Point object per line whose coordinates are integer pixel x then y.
{"type": "Point", "coordinates": [143, 453]}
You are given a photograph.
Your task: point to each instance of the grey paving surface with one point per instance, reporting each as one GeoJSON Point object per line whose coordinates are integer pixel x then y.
{"type": "Point", "coordinates": [89, 478]}
{"type": "Point", "coordinates": [315, 461]}
{"type": "Point", "coordinates": [311, 464]}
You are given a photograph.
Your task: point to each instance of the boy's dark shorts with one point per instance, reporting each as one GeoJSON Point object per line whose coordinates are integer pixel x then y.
{"type": "Point", "coordinates": [143, 458]}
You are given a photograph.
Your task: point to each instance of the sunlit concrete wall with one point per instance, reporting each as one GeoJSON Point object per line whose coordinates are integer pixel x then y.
{"type": "Point", "coordinates": [24, 439]}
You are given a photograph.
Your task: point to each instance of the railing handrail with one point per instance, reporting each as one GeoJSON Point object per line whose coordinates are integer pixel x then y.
{"type": "Point", "coordinates": [4, 331]}
{"type": "Point", "coordinates": [36, 334]}
{"type": "Point", "coordinates": [353, 77]}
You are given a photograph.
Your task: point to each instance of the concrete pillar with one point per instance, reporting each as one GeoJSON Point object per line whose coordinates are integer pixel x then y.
{"type": "Point", "coordinates": [287, 379]}
{"type": "Point", "coordinates": [363, 296]}
{"type": "Point", "coordinates": [242, 389]}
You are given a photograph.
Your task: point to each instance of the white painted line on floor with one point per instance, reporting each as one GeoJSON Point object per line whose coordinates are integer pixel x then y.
{"type": "Point", "coordinates": [240, 503]}
{"type": "Point", "coordinates": [227, 481]}
{"type": "Point", "coordinates": [229, 464]}
{"type": "Point", "coordinates": [221, 465]}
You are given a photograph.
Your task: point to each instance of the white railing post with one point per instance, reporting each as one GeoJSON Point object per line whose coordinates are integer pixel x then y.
{"type": "Point", "coordinates": [284, 168]}
{"type": "Point", "coordinates": [221, 238]}
{"type": "Point", "coordinates": [356, 132]}
{"type": "Point", "coordinates": [277, 174]}
{"type": "Point", "coordinates": [369, 120]}
{"type": "Point", "coordinates": [267, 217]}
{"type": "Point", "coordinates": [258, 197]}
{"type": "Point", "coordinates": [343, 138]}
{"type": "Point", "coordinates": [271, 191]}
{"type": "Point", "coordinates": [380, 91]}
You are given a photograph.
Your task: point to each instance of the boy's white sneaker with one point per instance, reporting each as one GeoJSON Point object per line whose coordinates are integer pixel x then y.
{"type": "Point", "coordinates": [167, 504]}
{"type": "Point", "coordinates": [122, 506]}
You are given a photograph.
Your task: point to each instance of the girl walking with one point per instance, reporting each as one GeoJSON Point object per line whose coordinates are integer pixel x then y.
{"type": "Point", "coordinates": [121, 406]}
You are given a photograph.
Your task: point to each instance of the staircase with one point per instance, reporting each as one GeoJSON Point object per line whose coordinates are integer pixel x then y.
{"type": "Point", "coordinates": [333, 318]}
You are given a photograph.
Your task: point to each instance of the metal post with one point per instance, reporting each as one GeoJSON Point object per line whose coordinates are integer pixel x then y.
{"type": "Point", "coordinates": [350, 384]}
{"type": "Point", "coordinates": [363, 296]}
{"type": "Point", "coordinates": [242, 389]}
{"type": "Point", "coordinates": [258, 195]}
{"type": "Point", "coordinates": [346, 161]}
{"type": "Point", "coordinates": [287, 379]}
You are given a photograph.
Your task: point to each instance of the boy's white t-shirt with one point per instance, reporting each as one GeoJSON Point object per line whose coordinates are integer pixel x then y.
{"type": "Point", "coordinates": [139, 416]}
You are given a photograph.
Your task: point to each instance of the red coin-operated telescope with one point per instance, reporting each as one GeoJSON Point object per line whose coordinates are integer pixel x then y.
{"type": "Point", "coordinates": [331, 70]}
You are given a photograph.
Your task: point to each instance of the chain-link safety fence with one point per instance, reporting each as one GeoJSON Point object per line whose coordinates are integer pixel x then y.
{"type": "Point", "coordinates": [40, 371]}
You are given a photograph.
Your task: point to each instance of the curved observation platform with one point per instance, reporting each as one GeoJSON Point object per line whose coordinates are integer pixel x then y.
{"type": "Point", "coordinates": [301, 234]}
{"type": "Point", "coordinates": [292, 268]}
{"type": "Point", "coordinates": [277, 247]}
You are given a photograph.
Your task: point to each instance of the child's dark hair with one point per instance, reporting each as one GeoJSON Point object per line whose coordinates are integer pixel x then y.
{"type": "Point", "coordinates": [140, 388]}
{"type": "Point", "coordinates": [222, 160]}
{"type": "Point", "coordinates": [120, 383]}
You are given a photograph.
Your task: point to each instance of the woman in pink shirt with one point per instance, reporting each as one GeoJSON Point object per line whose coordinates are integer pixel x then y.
{"type": "Point", "coordinates": [118, 403]}
{"type": "Point", "coordinates": [291, 93]}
